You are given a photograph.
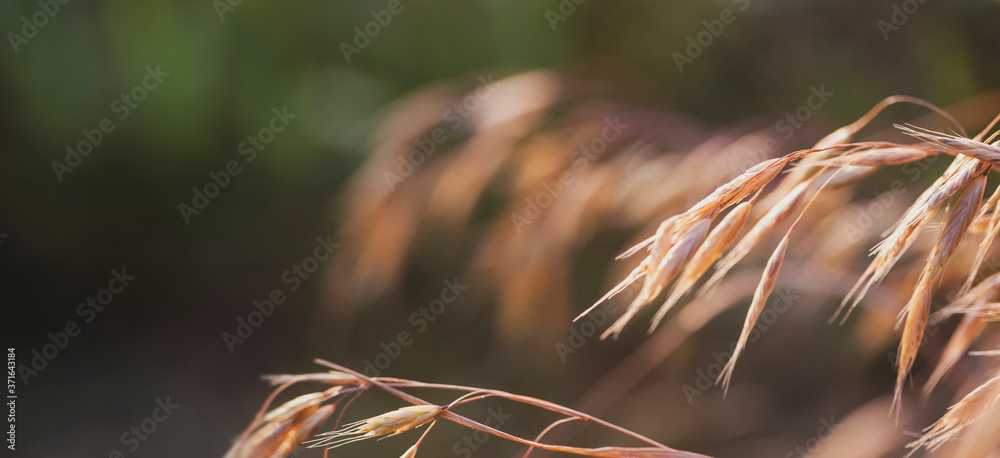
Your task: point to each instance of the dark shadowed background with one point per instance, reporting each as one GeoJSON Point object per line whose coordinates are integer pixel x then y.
{"type": "Point", "coordinates": [178, 86]}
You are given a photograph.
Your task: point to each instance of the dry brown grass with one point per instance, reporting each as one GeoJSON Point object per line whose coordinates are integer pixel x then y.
{"type": "Point", "coordinates": [973, 407]}
{"type": "Point", "coordinates": [277, 432]}
{"type": "Point", "coordinates": [966, 176]}
{"type": "Point", "coordinates": [661, 181]}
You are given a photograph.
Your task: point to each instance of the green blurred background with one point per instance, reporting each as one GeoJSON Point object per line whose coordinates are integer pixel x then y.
{"type": "Point", "coordinates": [119, 207]}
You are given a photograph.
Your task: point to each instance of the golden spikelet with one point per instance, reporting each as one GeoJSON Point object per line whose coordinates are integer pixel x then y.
{"type": "Point", "coordinates": [985, 152]}
{"type": "Point", "coordinates": [767, 224]}
{"type": "Point", "coordinates": [760, 295]}
{"type": "Point", "coordinates": [989, 234]}
{"type": "Point", "coordinates": [884, 156]}
{"type": "Point", "coordinates": [917, 310]}
{"type": "Point", "coordinates": [734, 191]}
{"type": "Point", "coordinates": [959, 174]}
{"type": "Point", "coordinates": [715, 244]}
{"type": "Point", "coordinates": [391, 423]}
{"type": "Point", "coordinates": [689, 238]}
{"type": "Point", "coordinates": [967, 332]}
{"type": "Point", "coordinates": [661, 242]}
{"type": "Point", "coordinates": [971, 408]}
{"type": "Point", "coordinates": [970, 301]}
{"type": "Point", "coordinates": [278, 437]}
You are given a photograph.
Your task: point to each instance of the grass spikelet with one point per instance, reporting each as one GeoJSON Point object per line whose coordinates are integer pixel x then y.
{"type": "Point", "coordinates": [990, 311]}
{"type": "Point", "coordinates": [985, 152]}
{"type": "Point", "coordinates": [767, 224]}
{"type": "Point", "coordinates": [263, 442]}
{"type": "Point", "coordinates": [981, 438]}
{"type": "Point", "coordinates": [992, 228]}
{"type": "Point", "coordinates": [281, 435]}
{"type": "Point", "coordinates": [715, 244]}
{"type": "Point", "coordinates": [734, 191]}
{"type": "Point", "coordinates": [760, 296]}
{"type": "Point", "coordinates": [305, 429]}
{"type": "Point", "coordinates": [955, 229]}
{"type": "Point", "coordinates": [330, 378]}
{"type": "Point", "coordinates": [970, 301]}
{"type": "Point", "coordinates": [660, 245]}
{"type": "Point", "coordinates": [298, 405]}
{"type": "Point", "coordinates": [960, 173]}
{"type": "Point", "coordinates": [917, 310]}
{"type": "Point", "coordinates": [637, 247]}
{"type": "Point", "coordinates": [766, 285]}
{"type": "Point", "coordinates": [967, 332]}
{"type": "Point", "coordinates": [689, 239]}
{"type": "Point", "coordinates": [880, 157]}
{"type": "Point", "coordinates": [971, 408]}
{"type": "Point", "coordinates": [392, 423]}
{"type": "Point", "coordinates": [665, 237]}
{"type": "Point", "coordinates": [412, 451]}
{"type": "Point", "coordinates": [916, 313]}
{"type": "Point", "coordinates": [887, 254]}
{"type": "Point", "coordinates": [810, 165]}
